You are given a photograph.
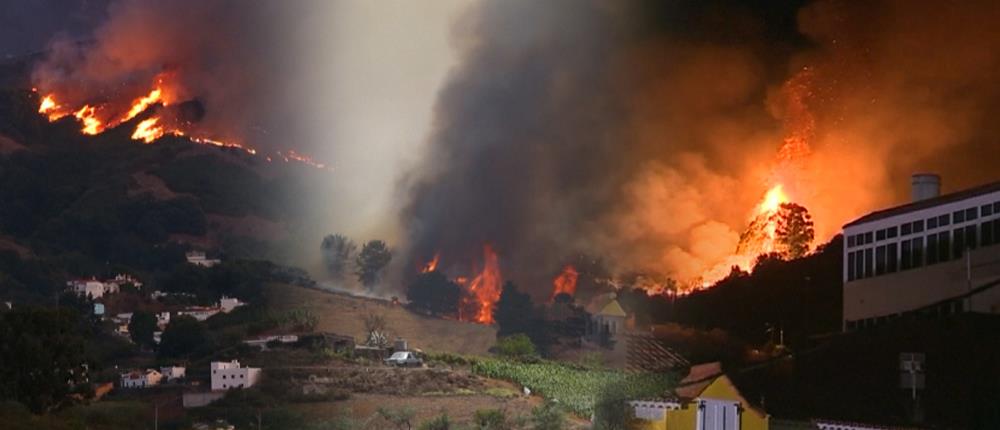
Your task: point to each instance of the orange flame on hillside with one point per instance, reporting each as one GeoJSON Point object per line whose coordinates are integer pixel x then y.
{"type": "Point", "coordinates": [431, 265]}
{"type": "Point", "coordinates": [760, 236]}
{"type": "Point", "coordinates": [148, 130]}
{"type": "Point", "coordinates": [97, 118]}
{"type": "Point", "coordinates": [565, 282]}
{"type": "Point", "coordinates": [484, 289]}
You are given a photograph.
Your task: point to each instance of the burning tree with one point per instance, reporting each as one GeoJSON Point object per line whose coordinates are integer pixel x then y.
{"type": "Point", "coordinates": [338, 251]}
{"type": "Point", "coordinates": [794, 230]}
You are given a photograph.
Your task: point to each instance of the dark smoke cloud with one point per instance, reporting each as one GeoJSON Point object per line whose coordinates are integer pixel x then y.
{"type": "Point", "coordinates": [647, 133]}
{"type": "Point", "coordinates": [228, 55]}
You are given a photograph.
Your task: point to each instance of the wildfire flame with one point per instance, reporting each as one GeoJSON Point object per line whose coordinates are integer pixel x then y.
{"type": "Point", "coordinates": [88, 116]}
{"type": "Point", "coordinates": [148, 130]}
{"type": "Point", "coordinates": [95, 119]}
{"type": "Point", "coordinates": [565, 282]}
{"type": "Point", "coordinates": [431, 265]}
{"type": "Point", "coordinates": [140, 105]}
{"type": "Point", "coordinates": [484, 289]}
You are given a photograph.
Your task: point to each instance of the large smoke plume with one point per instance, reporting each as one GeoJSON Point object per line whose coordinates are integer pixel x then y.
{"type": "Point", "coordinates": [223, 54]}
{"type": "Point", "coordinates": [647, 133]}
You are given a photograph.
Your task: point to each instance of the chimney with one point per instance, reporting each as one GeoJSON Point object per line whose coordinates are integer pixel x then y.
{"type": "Point", "coordinates": [925, 186]}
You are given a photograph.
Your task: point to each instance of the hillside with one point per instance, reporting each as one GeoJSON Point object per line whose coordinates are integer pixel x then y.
{"type": "Point", "coordinates": [344, 314]}
{"type": "Point", "coordinates": [78, 205]}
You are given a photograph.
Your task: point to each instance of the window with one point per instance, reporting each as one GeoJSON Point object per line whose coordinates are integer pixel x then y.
{"type": "Point", "coordinates": [859, 265]}
{"type": "Point", "coordinates": [944, 220]}
{"type": "Point", "coordinates": [970, 236]}
{"type": "Point", "coordinates": [986, 210]}
{"type": "Point", "coordinates": [850, 241]}
{"type": "Point", "coordinates": [918, 251]}
{"type": "Point", "coordinates": [880, 235]}
{"type": "Point", "coordinates": [892, 232]}
{"type": "Point", "coordinates": [987, 237]}
{"type": "Point", "coordinates": [918, 226]}
{"type": "Point", "coordinates": [944, 246]}
{"type": "Point", "coordinates": [892, 257]}
{"type": "Point", "coordinates": [996, 208]}
{"type": "Point", "coordinates": [869, 259]}
{"type": "Point", "coordinates": [931, 223]}
{"type": "Point", "coordinates": [971, 214]}
{"type": "Point", "coordinates": [932, 249]}
{"type": "Point", "coordinates": [959, 216]}
{"type": "Point", "coordinates": [905, 255]}
{"type": "Point", "coordinates": [880, 260]}
{"type": "Point", "coordinates": [850, 266]}
{"type": "Point", "coordinates": [906, 228]}
{"type": "Point", "coordinates": [996, 230]}
{"type": "Point", "coordinates": [868, 237]}
{"type": "Point", "coordinates": [958, 242]}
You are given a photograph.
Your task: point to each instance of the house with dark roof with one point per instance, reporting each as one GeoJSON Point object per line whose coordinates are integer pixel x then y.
{"type": "Point", "coordinates": [933, 250]}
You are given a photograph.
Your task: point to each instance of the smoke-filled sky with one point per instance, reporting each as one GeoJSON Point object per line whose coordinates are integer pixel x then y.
{"type": "Point", "coordinates": [644, 132]}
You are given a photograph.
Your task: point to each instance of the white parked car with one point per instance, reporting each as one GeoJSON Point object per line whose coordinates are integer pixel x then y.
{"type": "Point", "coordinates": [404, 359]}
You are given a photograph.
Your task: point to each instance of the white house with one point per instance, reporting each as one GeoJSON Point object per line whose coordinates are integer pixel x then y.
{"type": "Point", "coordinates": [91, 288]}
{"type": "Point", "coordinates": [123, 279]}
{"type": "Point", "coordinates": [227, 304]}
{"type": "Point", "coordinates": [198, 259]}
{"type": "Point", "coordinates": [173, 372]}
{"type": "Point", "coordinates": [230, 374]}
{"type": "Point", "coordinates": [141, 379]}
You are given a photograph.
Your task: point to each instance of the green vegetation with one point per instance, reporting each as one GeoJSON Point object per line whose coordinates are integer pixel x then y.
{"type": "Point", "coordinates": [516, 346]}
{"type": "Point", "coordinates": [576, 388]}
{"type": "Point", "coordinates": [42, 358]}
{"type": "Point", "coordinates": [371, 262]}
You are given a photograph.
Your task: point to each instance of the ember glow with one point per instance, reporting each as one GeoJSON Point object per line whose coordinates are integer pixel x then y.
{"type": "Point", "coordinates": [565, 283]}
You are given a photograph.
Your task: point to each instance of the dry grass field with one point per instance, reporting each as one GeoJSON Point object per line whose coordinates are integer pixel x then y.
{"type": "Point", "coordinates": [344, 314]}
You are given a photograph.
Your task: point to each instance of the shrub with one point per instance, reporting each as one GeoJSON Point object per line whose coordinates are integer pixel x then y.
{"type": "Point", "coordinates": [548, 416]}
{"type": "Point", "coordinates": [518, 345]}
{"type": "Point", "coordinates": [440, 422]}
{"type": "Point", "coordinates": [491, 419]}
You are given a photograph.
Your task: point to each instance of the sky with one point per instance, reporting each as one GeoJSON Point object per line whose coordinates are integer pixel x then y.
{"type": "Point", "coordinates": [646, 132]}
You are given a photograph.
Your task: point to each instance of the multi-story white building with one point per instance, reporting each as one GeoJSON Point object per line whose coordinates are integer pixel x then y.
{"type": "Point", "coordinates": [230, 374]}
{"type": "Point", "coordinates": [930, 255]}
{"type": "Point", "coordinates": [141, 379]}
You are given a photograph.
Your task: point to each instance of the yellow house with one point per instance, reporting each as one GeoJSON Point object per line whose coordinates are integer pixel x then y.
{"type": "Point", "coordinates": [704, 400]}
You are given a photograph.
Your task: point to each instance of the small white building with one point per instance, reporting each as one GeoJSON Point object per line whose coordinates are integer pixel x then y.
{"type": "Point", "coordinates": [198, 259]}
{"type": "Point", "coordinates": [162, 319]}
{"type": "Point", "coordinates": [91, 288]}
{"type": "Point", "coordinates": [123, 279]}
{"type": "Point", "coordinates": [227, 304]}
{"type": "Point", "coordinates": [141, 379]}
{"type": "Point", "coordinates": [230, 374]}
{"type": "Point", "coordinates": [172, 373]}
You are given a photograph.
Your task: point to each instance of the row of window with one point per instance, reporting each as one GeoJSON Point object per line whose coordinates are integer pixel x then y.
{"type": "Point", "coordinates": [906, 229]}
{"type": "Point", "coordinates": [950, 307]}
{"type": "Point", "coordinates": [919, 251]}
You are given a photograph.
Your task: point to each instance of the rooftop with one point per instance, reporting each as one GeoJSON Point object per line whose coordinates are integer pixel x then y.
{"type": "Point", "coordinates": [927, 203]}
